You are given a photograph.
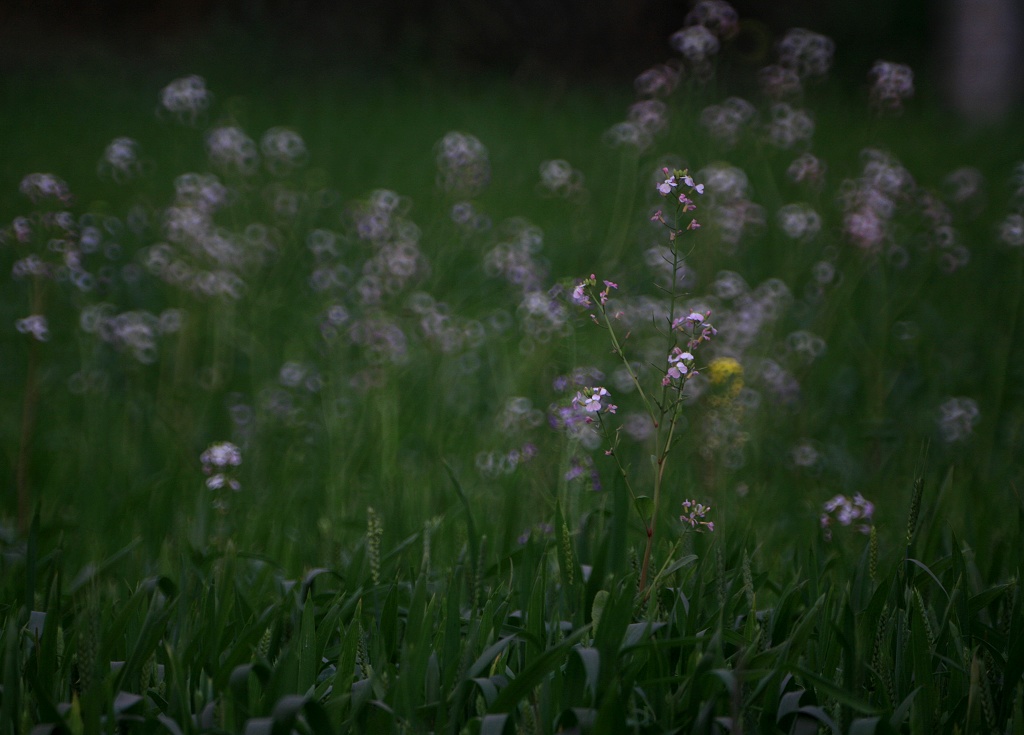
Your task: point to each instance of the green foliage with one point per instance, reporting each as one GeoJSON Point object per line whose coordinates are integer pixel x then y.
{"type": "Point", "coordinates": [233, 645]}
{"type": "Point", "coordinates": [385, 565]}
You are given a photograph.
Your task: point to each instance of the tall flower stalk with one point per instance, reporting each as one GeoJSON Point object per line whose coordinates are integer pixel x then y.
{"type": "Point", "coordinates": [664, 404]}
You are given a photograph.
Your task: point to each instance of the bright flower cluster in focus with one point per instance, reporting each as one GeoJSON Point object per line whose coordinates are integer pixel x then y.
{"type": "Point", "coordinates": [694, 514]}
{"type": "Point", "coordinates": [594, 400]}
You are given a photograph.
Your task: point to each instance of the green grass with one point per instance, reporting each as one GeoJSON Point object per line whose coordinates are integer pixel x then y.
{"type": "Point", "coordinates": [128, 601]}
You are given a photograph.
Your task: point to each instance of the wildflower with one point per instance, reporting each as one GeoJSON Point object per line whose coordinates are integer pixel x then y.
{"type": "Point", "coordinates": [649, 116]}
{"type": "Point", "coordinates": [891, 84]}
{"type": "Point", "coordinates": [779, 82]}
{"type": "Point", "coordinates": [1011, 231]}
{"type": "Point", "coordinates": [627, 134]}
{"type": "Point", "coordinates": [699, 188]}
{"type": "Point", "coordinates": [579, 295]}
{"type": "Point", "coordinates": [186, 98]}
{"type": "Point", "coordinates": [726, 121]}
{"type": "Point", "coordinates": [608, 286]}
{"type": "Point", "coordinates": [723, 370]}
{"type": "Point", "coordinates": [231, 149]}
{"type": "Point", "coordinates": [559, 178]}
{"type": "Point", "coordinates": [799, 221]}
{"type": "Point", "coordinates": [36, 325]}
{"type": "Point", "coordinates": [218, 460]}
{"type": "Point", "coordinates": [726, 375]}
{"type": "Point", "coordinates": [680, 366]}
{"type": "Point", "coordinates": [696, 43]}
{"type": "Point", "coordinates": [463, 165]}
{"type": "Point", "coordinates": [121, 160]}
{"type": "Point", "coordinates": [807, 168]}
{"type": "Point", "coordinates": [40, 187]}
{"type": "Point", "coordinates": [717, 16]}
{"type": "Point", "coordinates": [283, 150]}
{"type": "Point", "coordinates": [847, 512]}
{"type": "Point", "coordinates": [809, 54]}
{"type": "Point", "coordinates": [592, 400]}
{"type": "Point", "coordinates": [657, 81]}
{"type": "Point", "coordinates": [789, 126]}
{"type": "Point", "coordinates": [689, 322]}
{"type": "Point", "coordinates": [957, 418]}
{"type": "Point", "coordinates": [694, 514]}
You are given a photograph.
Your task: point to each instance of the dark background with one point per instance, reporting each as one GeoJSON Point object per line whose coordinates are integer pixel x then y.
{"type": "Point", "coordinates": [615, 38]}
{"type": "Point", "coordinates": [596, 40]}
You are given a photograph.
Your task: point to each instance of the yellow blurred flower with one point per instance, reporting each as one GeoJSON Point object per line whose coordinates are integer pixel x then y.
{"type": "Point", "coordinates": [726, 376]}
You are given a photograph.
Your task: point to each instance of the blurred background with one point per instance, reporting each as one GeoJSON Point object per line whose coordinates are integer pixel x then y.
{"type": "Point", "coordinates": [968, 52]}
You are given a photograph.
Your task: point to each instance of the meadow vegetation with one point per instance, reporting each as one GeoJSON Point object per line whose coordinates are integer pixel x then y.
{"type": "Point", "coordinates": [398, 406]}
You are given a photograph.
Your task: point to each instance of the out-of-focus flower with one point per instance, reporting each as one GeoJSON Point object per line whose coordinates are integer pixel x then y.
{"type": "Point", "coordinates": [799, 221]}
{"type": "Point", "coordinates": [725, 375]}
{"type": "Point", "coordinates": [726, 122]}
{"type": "Point", "coordinates": [658, 81]}
{"type": "Point", "coordinates": [42, 187]}
{"type": "Point", "coordinates": [696, 43]}
{"type": "Point", "coordinates": [891, 84]}
{"type": "Point", "coordinates": [284, 150]}
{"type": "Point", "coordinates": [957, 418]}
{"type": "Point", "coordinates": [559, 178]}
{"type": "Point", "coordinates": [186, 98]}
{"type": "Point", "coordinates": [807, 169]}
{"type": "Point", "coordinates": [718, 16]}
{"type": "Point", "coordinates": [856, 511]}
{"type": "Point", "coordinates": [36, 325]}
{"type": "Point", "coordinates": [219, 461]}
{"type": "Point", "coordinates": [807, 53]}
{"type": "Point", "coordinates": [121, 160]}
{"type": "Point", "coordinates": [230, 149]}
{"type": "Point", "coordinates": [780, 82]}
{"type": "Point", "coordinates": [789, 126]}
{"type": "Point", "coordinates": [1011, 230]}
{"type": "Point", "coordinates": [463, 165]}
{"type": "Point", "coordinates": [649, 116]}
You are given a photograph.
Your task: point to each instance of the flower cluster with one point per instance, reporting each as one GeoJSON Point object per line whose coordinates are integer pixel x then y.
{"type": "Point", "coordinates": [463, 166]}
{"type": "Point", "coordinates": [891, 84]}
{"type": "Point", "coordinates": [558, 178]}
{"type": "Point", "coordinates": [232, 151]}
{"type": "Point", "coordinates": [671, 183]}
{"type": "Point", "coordinates": [807, 53]}
{"type": "Point", "coordinates": [680, 366]}
{"type": "Point", "coordinates": [696, 327]}
{"type": "Point", "coordinates": [36, 325]}
{"type": "Point", "coordinates": [220, 461]}
{"type": "Point", "coordinates": [42, 187]}
{"type": "Point", "coordinates": [134, 332]}
{"type": "Point", "coordinates": [186, 98]}
{"type": "Point", "coordinates": [957, 418]}
{"type": "Point", "coordinates": [121, 161]}
{"type": "Point", "coordinates": [856, 511]}
{"type": "Point", "coordinates": [727, 121]}
{"type": "Point", "coordinates": [694, 514]}
{"type": "Point", "coordinates": [594, 400]}
{"type": "Point", "coordinates": [283, 150]}
{"type": "Point", "coordinates": [733, 214]}
{"type": "Point", "coordinates": [581, 292]}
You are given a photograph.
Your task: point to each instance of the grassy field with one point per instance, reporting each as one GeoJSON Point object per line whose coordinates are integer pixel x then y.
{"type": "Point", "coordinates": [308, 412]}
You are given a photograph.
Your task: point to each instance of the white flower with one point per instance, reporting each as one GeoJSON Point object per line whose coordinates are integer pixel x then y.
{"type": "Point", "coordinates": [221, 454]}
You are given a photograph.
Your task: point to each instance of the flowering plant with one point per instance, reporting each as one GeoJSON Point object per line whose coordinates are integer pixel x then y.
{"type": "Point", "coordinates": [685, 331]}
